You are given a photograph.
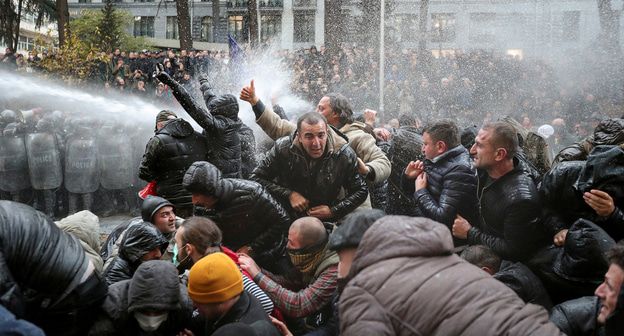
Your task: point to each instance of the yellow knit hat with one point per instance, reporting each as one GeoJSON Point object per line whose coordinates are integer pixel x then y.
{"type": "Point", "coordinates": [214, 278]}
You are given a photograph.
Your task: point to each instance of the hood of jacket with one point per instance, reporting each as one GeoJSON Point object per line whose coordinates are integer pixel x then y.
{"type": "Point", "coordinates": [401, 236]}
{"type": "Point", "coordinates": [154, 286]}
{"type": "Point", "coordinates": [224, 105]}
{"type": "Point", "coordinates": [83, 225]}
{"type": "Point", "coordinates": [140, 239]}
{"type": "Point", "coordinates": [609, 132]}
{"type": "Point", "coordinates": [177, 128]}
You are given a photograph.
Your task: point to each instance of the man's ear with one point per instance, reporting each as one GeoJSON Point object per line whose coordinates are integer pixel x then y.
{"type": "Point", "coordinates": [501, 153]}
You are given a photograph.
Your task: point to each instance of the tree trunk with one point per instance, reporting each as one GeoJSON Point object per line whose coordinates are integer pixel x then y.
{"type": "Point", "coordinates": [184, 25]}
{"type": "Point", "coordinates": [609, 26]}
{"type": "Point", "coordinates": [17, 27]}
{"type": "Point", "coordinates": [252, 11]}
{"type": "Point", "coordinates": [422, 28]}
{"type": "Point", "coordinates": [333, 27]}
{"type": "Point", "coordinates": [216, 20]}
{"type": "Point", "coordinates": [62, 12]}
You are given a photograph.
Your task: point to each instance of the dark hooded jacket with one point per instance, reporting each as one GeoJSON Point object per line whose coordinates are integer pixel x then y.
{"type": "Point", "coordinates": [577, 267]}
{"type": "Point", "coordinates": [405, 146]}
{"type": "Point", "coordinates": [246, 213]}
{"type": "Point", "coordinates": [36, 255]}
{"type": "Point", "coordinates": [578, 317]}
{"type": "Point", "coordinates": [511, 223]}
{"type": "Point", "coordinates": [220, 123]}
{"type": "Point", "coordinates": [154, 286]}
{"type": "Point", "coordinates": [526, 284]}
{"type": "Point", "coordinates": [139, 240]}
{"type": "Point", "coordinates": [287, 168]}
{"type": "Point", "coordinates": [563, 187]}
{"type": "Point", "coordinates": [167, 157]}
{"type": "Point", "coordinates": [406, 281]}
{"type": "Point", "coordinates": [608, 132]}
{"type": "Point", "coordinates": [451, 188]}
{"type": "Point", "coordinates": [248, 151]}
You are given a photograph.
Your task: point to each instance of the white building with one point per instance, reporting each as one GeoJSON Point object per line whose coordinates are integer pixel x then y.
{"type": "Point", "coordinates": [29, 34]}
{"type": "Point", "coordinates": [541, 28]}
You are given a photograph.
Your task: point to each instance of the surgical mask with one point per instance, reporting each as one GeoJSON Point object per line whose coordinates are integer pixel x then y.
{"type": "Point", "coordinates": [150, 322]}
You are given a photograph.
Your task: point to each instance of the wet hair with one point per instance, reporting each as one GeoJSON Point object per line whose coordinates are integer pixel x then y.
{"type": "Point", "coordinates": [311, 118]}
{"type": "Point", "coordinates": [444, 130]}
{"type": "Point", "coordinates": [407, 119]}
{"type": "Point", "coordinates": [202, 233]}
{"type": "Point", "coordinates": [616, 254]}
{"type": "Point", "coordinates": [341, 106]}
{"type": "Point", "coordinates": [503, 136]}
{"type": "Point", "coordinates": [311, 231]}
{"type": "Point", "coordinates": [481, 256]}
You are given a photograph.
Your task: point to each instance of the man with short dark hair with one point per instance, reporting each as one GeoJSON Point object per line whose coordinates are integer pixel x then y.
{"type": "Point", "coordinates": [444, 185]}
{"type": "Point", "coordinates": [307, 170]}
{"type": "Point", "coordinates": [602, 314]}
{"type": "Point", "coordinates": [508, 200]}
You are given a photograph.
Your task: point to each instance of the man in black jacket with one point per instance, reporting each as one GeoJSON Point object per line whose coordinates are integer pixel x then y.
{"type": "Point", "coordinates": [251, 220]}
{"type": "Point", "coordinates": [220, 123]}
{"type": "Point", "coordinates": [307, 170]}
{"type": "Point", "coordinates": [510, 207]}
{"type": "Point", "coordinates": [445, 184]}
{"type": "Point", "coordinates": [168, 155]}
{"type": "Point", "coordinates": [45, 275]}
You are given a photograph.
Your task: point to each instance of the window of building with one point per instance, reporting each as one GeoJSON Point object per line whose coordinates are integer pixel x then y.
{"type": "Point", "coordinates": [144, 26]}
{"type": "Point", "coordinates": [26, 43]}
{"type": "Point", "coordinates": [235, 26]}
{"type": "Point", "coordinates": [138, 0]}
{"type": "Point", "coordinates": [84, 1]}
{"type": "Point", "coordinates": [172, 28]}
{"type": "Point", "coordinates": [270, 26]}
{"type": "Point", "coordinates": [304, 3]}
{"type": "Point", "coordinates": [442, 27]}
{"type": "Point", "coordinates": [304, 27]}
{"type": "Point", "coordinates": [206, 29]}
{"type": "Point", "coordinates": [482, 27]}
{"type": "Point", "coordinates": [407, 26]}
{"type": "Point", "coordinates": [570, 26]}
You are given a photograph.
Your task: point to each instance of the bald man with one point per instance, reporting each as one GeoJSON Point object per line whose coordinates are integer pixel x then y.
{"type": "Point", "coordinates": [317, 268]}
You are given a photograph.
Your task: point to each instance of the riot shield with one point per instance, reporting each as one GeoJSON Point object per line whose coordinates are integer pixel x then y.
{"type": "Point", "coordinates": [44, 161]}
{"type": "Point", "coordinates": [115, 161]}
{"type": "Point", "coordinates": [13, 164]}
{"type": "Point", "coordinates": [82, 174]}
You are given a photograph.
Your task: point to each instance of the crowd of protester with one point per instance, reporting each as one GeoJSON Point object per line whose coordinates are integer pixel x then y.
{"type": "Point", "coordinates": [418, 224]}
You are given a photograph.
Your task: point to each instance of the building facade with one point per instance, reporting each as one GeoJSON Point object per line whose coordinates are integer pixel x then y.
{"type": "Point", "coordinates": [539, 28]}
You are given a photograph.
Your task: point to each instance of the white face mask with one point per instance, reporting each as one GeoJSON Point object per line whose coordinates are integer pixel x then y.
{"type": "Point", "coordinates": [150, 322]}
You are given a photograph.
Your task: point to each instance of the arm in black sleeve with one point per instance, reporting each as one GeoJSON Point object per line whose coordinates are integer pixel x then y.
{"type": "Point", "coordinates": [458, 186]}
{"type": "Point", "coordinates": [147, 168]}
{"type": "Point", "coordinates": [276, 220]}
{"type": "Point", "coordinates": [200, 114]}
{"type": "Point", "coordinates": [355, 189]}
{"type": "Point", "coordinates": [521, 225]}
{"type": "Point", "coordinates": [407, 185]}
{"type": "Point", "coordinates": [267, 171]}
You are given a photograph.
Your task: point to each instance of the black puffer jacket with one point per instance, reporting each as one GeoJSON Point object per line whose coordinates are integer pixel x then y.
{"type": "Point", "coordinates": [577, 267]}
{"type": "Point", "coordinates": [406, 146]}
{"type": "Point", "coordinates": [220, 123]}
{"type": "Point", "coordinates": [451, 188]}
{"type": "Point", "coordinates": [577, 317]}
{"type": "Point", "coordinates": [511, 223]}
{"type": "Point", "coordinates": [563, 187]}
{"type": "Point", "coordinates": [154, 286]}
{"type": "Point", "coordinates": [167, 157]}
{"type": "Point", "coordinates": [245, 212]}
{"type": "Point", "coordinates": [608, 132]}
{"type": "Point", "coordinates": [286, 168]}
{"type": "Point", "coordinates": [248, 150]}
{"type": "Point", "coordinates": [526, 284]}
{"type": "Point", "coordinates": [139, 240]}
{"type": "Point", "coordinates": [35, 254]}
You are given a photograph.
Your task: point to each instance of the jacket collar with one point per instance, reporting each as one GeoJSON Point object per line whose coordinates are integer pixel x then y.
{"type": "Point", "coordinates": [455, 151]}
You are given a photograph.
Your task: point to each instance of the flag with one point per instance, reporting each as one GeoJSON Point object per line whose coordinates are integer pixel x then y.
{"type": "Point", "coordinates": [236, 52]}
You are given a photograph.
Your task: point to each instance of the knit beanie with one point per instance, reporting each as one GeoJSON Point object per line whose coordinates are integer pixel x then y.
{"type": "Point", "coordinates": [214, 278]}
{"type": "Point", "coordinates": [165, 115]}
{"type": "Point", "coordinates": [204, 178]}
